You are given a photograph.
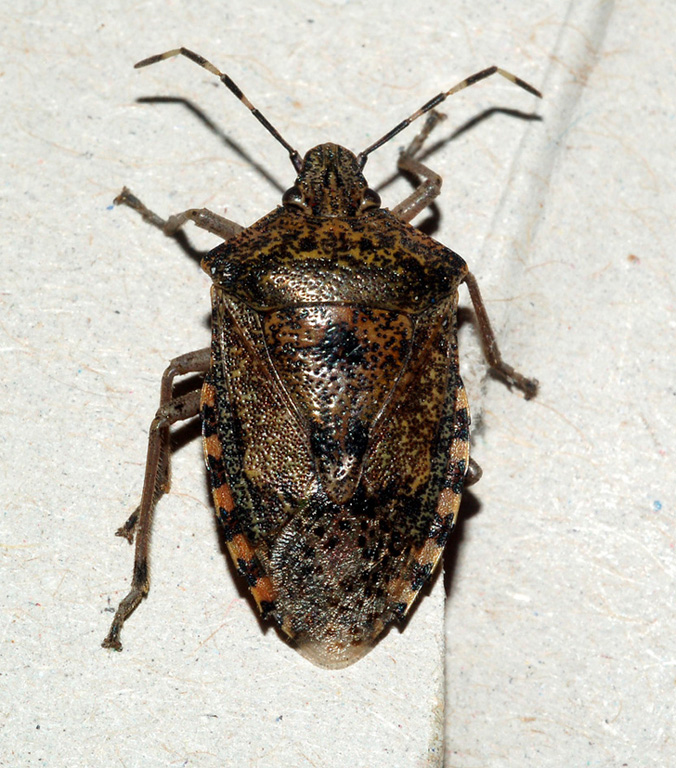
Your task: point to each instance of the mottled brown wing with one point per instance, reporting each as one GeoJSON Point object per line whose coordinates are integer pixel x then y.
{"type": "Point", "coordinates": [346, 565]}
{"type": "Point", "coordinates": [258, 457]}
{"type": "Point", "coordinates": [335, 535]}
{"type": "Point", "coordinates": [339, 365]}
{"type": "Point", "coordinates": [418, 457]}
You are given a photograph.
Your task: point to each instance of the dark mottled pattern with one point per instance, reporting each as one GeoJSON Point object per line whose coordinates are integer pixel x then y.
{"type": "Point", "coordinates": [339, 365]}
{"type": "Point", "coordinates": [409, 455]}
{"type": "Point", "coordinates": [265, 451]}
{"type": "Point", "coordinates": [287, 259]}
{"type": "Point", "coordinates": [335, 376]}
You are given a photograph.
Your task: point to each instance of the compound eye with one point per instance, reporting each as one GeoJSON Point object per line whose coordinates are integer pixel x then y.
{"type": "Point", "coordinates": [293, 197]}
{"type": "Point", "coordinates": [370, 200]}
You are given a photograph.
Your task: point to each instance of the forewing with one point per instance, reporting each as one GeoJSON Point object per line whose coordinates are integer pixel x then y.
{"type": "Point", "coordinates": [258, 456]}
{"type": "Point", "coordinates": [418, 458]}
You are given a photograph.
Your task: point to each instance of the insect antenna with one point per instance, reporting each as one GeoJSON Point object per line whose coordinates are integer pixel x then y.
{"type": "Point", "coordinates": [362, 156]}
{"type": "Point", "coordinates": [232, 86]}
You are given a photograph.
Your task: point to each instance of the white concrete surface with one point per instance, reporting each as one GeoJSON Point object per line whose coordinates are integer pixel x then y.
{"type": "Point", "coordinates": [560, 646]}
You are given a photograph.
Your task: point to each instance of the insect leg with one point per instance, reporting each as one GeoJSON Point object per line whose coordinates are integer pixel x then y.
{"type": "Point", "coordinates": [474, 473]}
{"type": "Point", "coordinates": [203, 218]}
{"type": "Point", "coordinates": [490, 346]}
{"type": "Point", "coordinates": [156, 481]}
{"type": "Point", "coordinates": [430, 186]}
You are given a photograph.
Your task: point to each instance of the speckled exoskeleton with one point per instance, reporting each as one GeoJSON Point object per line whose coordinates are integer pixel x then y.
{"type": "Point", "coordinates": [334, 418]}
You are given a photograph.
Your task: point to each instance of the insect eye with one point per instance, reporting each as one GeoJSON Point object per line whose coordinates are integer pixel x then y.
{"type": "Point", "coordinates": [371, 199]}
{"type": "Point", "coordinates": [294, 197]}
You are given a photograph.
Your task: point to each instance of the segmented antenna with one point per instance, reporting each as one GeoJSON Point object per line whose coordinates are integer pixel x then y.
{"type": "Point", "coordinates": [362, 156]}
{"type": "Point", "coordinates": [232, 86]}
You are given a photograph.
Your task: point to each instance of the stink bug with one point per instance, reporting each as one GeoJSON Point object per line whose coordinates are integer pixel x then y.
{"type": "Point", "coordinates": [334, 418]}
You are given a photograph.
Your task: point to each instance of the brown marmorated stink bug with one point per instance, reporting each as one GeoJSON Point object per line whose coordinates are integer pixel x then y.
{"type": "Point", "coordinates": [334, 418]}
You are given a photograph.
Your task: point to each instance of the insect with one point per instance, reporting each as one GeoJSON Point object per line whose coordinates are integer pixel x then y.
{"type": "Point", "coordinates": [334, 419]}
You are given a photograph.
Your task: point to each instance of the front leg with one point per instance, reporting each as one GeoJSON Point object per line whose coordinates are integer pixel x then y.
{"type": "Point", "coordinates": [203, 218]}
{"type": "Point", "coordinates": [430, 186]}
